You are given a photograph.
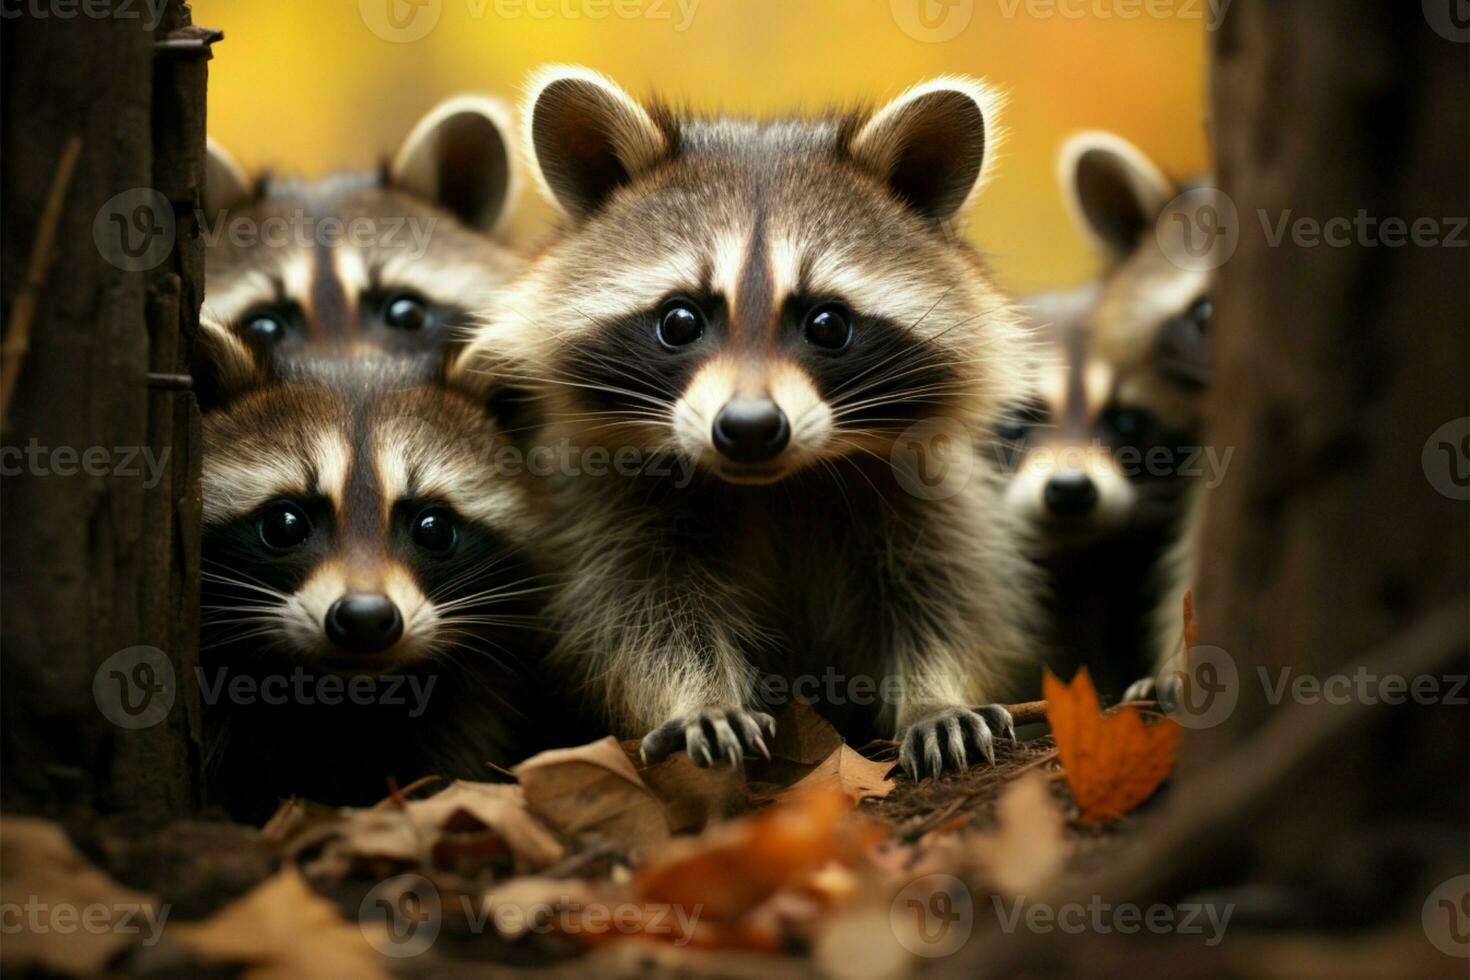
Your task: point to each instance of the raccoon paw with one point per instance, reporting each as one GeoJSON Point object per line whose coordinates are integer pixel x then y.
{"type": "Point", "coordinates": [945, 740]}
{"type": "Point", "coordinates": [712, 736]}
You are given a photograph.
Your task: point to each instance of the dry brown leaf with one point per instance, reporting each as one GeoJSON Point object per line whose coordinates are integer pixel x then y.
{"type": "Point", "coordinates": [847, 770]}
{"type": "Point", "coordinates": [529, 896]}
{"type": "Point", "coordinates": [39, 866]}
{"type": "Point", "coordinates": [694, 796]}
{"type": "Point", "coordinates": [473, 829]}
{"type": "Point", "coordinates": [1112, 762]}
{"type": "Point", "coordinates": [1029, 847]}
{"type": "Point", "coordinates": [593, 793]}
{"type": "Point", "coordinates": [803, 736]}
{"type": "Point", "coordinates": [282, 929]}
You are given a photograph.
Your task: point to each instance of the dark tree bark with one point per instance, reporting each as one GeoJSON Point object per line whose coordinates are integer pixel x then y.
{"type": "Point", "coordinates": [1344, 381]}
{"type": "Point", "coordinates": [100, 554]}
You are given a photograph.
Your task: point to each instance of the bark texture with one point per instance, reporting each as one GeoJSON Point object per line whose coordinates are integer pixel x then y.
{"type": "Point", "coordinates": [101, 552]}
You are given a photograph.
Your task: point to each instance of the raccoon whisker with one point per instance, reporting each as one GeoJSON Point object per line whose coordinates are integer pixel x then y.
{"type": "Point", "coordinates": [485, 599]}
{"type": "Point", "coordinates": [903, 351]}
{"type": "Point", "coordinates": [241, 583]}
{"type": "Point", "coordinates": [937, 396]}
{"type": "Point", "coordinates": [604, 388]}
{"type": "Point", "coordinates": [468, 642]}
{"type": "Point", "coordinates": [887, 378]}
{"type": "Point", "coordinates": [235, 638]}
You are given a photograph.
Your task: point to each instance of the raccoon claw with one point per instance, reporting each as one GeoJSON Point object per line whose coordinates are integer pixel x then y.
{"type": "Point", "coordinates": [711, 736]}
{"type": "Point", "coordinates": [945, 740]}
{"type": "Point", "coordinates": [1149, 689]}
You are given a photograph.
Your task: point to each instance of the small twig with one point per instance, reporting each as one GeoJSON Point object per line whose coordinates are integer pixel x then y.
{"type": "Point", "coordinates": [399, 797]}
{"type": "Point", "coordinates": [163, 381]}
{"type": "Point", "coordinates": [1042, 760]}
{"type": "Point", "coordinates": [1027, 712]}
{"type": "Point", "coordinates": [43, 255]}
{"type": "Point", "coordinates": [502, 770]}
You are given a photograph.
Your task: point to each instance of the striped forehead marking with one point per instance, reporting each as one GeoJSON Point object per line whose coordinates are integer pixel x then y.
{"type": "Point", "coordinates": [328, 310]}
{"type": "Point", "coordinates": [754, 303]}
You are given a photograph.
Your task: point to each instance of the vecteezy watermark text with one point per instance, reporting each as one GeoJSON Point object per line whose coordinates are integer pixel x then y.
{"type": "Point", "coordinates": [34, 459]}
{"type": "Point", "coordinates": [38, 916]}
{"type": "Point", "coordinates": [304, 688]}
{"type": "Point", "coordinates": [1101, 917]}
{"type": "Point", "coordinates": [150, 12]}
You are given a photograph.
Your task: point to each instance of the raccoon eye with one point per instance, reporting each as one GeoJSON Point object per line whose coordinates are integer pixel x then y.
{"type": "Point", "coordinates": [265, 327]}
{"type": "Point", "coordinates": [1201, 313]}
{"type": "Point", "coordinates": [284, 525]}
{"type": "Point", "coordinates": [1016, 425]}
{"type": "Point", "coordinates": [680, 323]}
{"type": "Point", "coordinates": [406, 311]}
{"type": "Point", "coordinates": [434, 530]}
{"type": "Point", "coordinates": [1132, 427]}
{"type": "Point", "coordinates": [828, 327]}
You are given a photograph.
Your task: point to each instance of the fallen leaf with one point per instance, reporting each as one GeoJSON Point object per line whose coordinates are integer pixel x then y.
{"type": "Point", "coordinates": [40, 867]}
{"type": "Point", "coordinates": [694, 796]}
{"type": "Point", "coordinates": [512, 908]}
{"type": "Point", "coordinates": [804, 740]}
{"type": "Point", "coordinates": [848, 770]}
{"type": "Point", "coordinates": [593, 794]}
{"type": "Point", "coordinates": [473, 829]}
{"type": "Point", "coordinates": [1112, 762]}
{"type": "Point", "coordinates": [729, 872]}
{"type": "Point", "coordinates": [282, 929]}
{"type": "Point", "coordinates": [1028, 848]}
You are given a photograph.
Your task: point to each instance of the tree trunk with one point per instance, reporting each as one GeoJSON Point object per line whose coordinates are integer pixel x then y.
{"type": "Point", "coordinates": [101, 458]}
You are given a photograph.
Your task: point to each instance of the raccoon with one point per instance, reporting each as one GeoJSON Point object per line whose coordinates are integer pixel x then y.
{"type": "Point", "coordinates": [782, 319]}
{"type": "Point", "coordinates": [355, 541]}
{"type": "Point", "coordinates": [389, 261]}
{"type": "Point", "coordinates": [1107, 458]}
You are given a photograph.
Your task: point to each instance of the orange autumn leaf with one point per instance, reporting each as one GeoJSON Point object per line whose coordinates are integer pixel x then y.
{"type": "Point", "coordinates": [1112, 762]}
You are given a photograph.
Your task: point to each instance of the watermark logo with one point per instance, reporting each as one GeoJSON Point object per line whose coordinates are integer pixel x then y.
{"type": "Point", "coordinates": [1446, 917]}
{"type": "Point", "coordinates": [150, 12]}
{"type": "Point", "coordinates": [401, 917]}
{"type": "Point", "coordinates": [1200, 688]}
{"type": "Point", "coordinates": [932, 916]}
{"type": "Point", "coordinates": [932, 21]}
{"type": "Point", "coordinates": [1446, 459]}
{"type": "Point", "coordinates": [933, 459]}
{"type": "Point", "coordinates": [135, 230]}
{"type": "Point", "coordinates": [135, 688]}
{"type": "Point", "coordinates": [1199, 230]}
{"type": "Point", "coordinates": [39, 917]}
{"type": "Point", "coordinates": [1450, 19]}
{"type": "Point", "coordinates": [1206, 920]}
{"type": "Point", "coordinates": [401, 21]}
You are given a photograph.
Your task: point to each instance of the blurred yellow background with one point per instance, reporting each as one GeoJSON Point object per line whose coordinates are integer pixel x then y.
{"type": "Point", "coordinates": [308, 86]}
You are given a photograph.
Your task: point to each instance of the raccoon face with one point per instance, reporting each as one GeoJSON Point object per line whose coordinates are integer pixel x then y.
{"type": "Point", "coordinates": [386, 262]}
{"type": "Point", "coordinates": [758, 297]}
{"type": "Point", "coordinates": [351, 523]}
{"type": "Point", "coordinates": [1118, 413]}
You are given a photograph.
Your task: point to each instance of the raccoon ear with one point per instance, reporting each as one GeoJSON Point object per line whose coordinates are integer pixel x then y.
{"type": "Point", "coordinates": [459, 158]}
{"type": "Point", "coordinates": [1112, 190]}
{"type": "Point", "coordinates": [930, 144]}
{"type": "Point", "coordinates": [225, 367]}
{"type": "Point", "coordinates": [225, 182]}
{"type": "Point", "coordinates": [587, 137]}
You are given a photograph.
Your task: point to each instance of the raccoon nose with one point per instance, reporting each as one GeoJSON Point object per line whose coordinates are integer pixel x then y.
{"type": "Point", "coordinates": [751, 430]}
{"type": "Point", "coordinates": [364, 623]}
{"type": "Point", "coordinates": [1070, 494]}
